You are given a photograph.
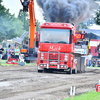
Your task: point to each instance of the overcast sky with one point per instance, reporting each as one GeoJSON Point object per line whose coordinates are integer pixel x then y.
{"type": "Point", "coordinates": [15, 5]}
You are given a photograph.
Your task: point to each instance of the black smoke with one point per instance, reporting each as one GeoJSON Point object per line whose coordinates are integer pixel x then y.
{"type": "Point", "coordinates": [74, 11]}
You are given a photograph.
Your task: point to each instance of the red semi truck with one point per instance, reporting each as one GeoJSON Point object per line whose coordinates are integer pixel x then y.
{"type": "Point", "coordinates": [56, 49]}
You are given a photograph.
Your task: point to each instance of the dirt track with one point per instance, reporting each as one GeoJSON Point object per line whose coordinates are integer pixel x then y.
{"type": "Point", "coordinates": [23, 82]}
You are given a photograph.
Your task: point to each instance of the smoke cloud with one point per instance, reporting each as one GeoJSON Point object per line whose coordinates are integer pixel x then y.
{"type": "Point", "coordinates": [69, 11]}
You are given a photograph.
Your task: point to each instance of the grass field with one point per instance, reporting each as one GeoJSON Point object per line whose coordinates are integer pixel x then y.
{"type": "Point", "coordinates": [92, 67]}
{"type": "Point", "coordinates": [92, 95]}
{"type": "Point", "coordinates": [3, 63]}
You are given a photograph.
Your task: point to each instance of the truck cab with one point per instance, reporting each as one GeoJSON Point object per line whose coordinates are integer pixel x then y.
{"type": "Point", "coordinates": [56, 48]}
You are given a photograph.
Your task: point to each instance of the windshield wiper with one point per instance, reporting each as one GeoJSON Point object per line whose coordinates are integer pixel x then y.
{"type": "Point", "coordinates": [62, 42]}
{"type": "Point", "coordinates": [46, 41]}
{"type": "Point", "coordinates": [55, 42]}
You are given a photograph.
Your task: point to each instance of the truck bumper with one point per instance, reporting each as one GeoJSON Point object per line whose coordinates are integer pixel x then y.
{"type": "Point", "coordinates": [30, 58]}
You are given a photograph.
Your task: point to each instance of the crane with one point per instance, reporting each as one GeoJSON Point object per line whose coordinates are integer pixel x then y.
{"type": "Point", "coordinates": [30, 53]}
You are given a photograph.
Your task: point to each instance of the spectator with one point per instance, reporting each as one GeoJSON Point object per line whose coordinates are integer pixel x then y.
{"type": "Point", "coordinates": [12, 52]}
{"type": "Point", "coordinates": [1, 52]}
{"type": "Point", "coordinates": [9, 52]}
{"type": "Point", "coordinates": [98, 49]}
{"type": "Point", "coordinates": [25, 46]}
{"type": "Point", "coordinates": [17, 52]}
{"type": "Point", "coordinates": [9, 46]}
{"type": "Point", "coordinates": [90, 57]}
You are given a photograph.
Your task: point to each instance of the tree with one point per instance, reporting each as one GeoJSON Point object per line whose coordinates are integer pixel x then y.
{"type": "Point", "coordinates": [24, 18]}
{"type": "Point", "coordinates": [97, 18]}
{"type": "Point", "coordinates": [37, 25]}
{"type": "Point", "coordinates": [83, 26]}
{"type": "Point", "coordinates": [10, 27]}
{"type": "Point", "coordinates": [44, 17]}
{"type": "Point", "coordinates": [3, 10]}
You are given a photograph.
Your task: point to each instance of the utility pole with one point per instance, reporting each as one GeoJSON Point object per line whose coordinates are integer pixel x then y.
{"type": "Point", "coordinates": [24, 19]}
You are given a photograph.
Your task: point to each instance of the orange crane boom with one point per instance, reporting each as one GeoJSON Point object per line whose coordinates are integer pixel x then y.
{"type": "Point", "coordinates": [32, 23]}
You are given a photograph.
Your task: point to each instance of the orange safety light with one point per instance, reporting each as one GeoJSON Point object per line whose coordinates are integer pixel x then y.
{"type": "Point", "coordinates": [23, 50]}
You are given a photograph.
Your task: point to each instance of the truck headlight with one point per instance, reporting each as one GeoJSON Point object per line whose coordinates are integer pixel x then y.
{"type": "Point", "coordinates": [61, 66]}
{"type": "Point", "coordinates": [66, 57]}
{"type": "Point", "coordinates": [65, 66]}
{"type": "Point", "coordinates": [42, 56]}
{"type": "Point", "coordinates": [41, 65]}
{"type": "Point", "coordinates": [45, 65]}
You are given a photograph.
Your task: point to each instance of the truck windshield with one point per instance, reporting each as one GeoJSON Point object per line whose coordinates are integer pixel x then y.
{"type": "Point", "coordinates": [55, 36]}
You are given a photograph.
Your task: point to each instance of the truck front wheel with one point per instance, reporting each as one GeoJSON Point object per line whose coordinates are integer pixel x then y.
{"type": "Point", "coordinates": [70, 71]}
{"type": "Point", "coordinates": [40, 71]}
{"type": "Point", "coordinates": [74, 71]}
{"type": "Point", "coordinates": [27, 61]}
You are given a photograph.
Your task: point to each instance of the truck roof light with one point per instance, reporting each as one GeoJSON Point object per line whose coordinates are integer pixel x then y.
{"type": "Point", "coordinates": [46, 23]}
{"type": "Point", "coordinates": [65, 25]}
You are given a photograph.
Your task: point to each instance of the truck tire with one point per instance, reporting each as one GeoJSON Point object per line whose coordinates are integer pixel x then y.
{"type": "Point", "coordinates": [70, 71]}
{"type": "Point", "coordinates": [27, 61]}
{"type": "Point", "coordinates": [48, 71]}
{"type": "Point", "coordinates": [74, 71]}
{"type": "Point", "coordinates": [93, 65]}
{"type": "Point", "coordinates": [40, 71]}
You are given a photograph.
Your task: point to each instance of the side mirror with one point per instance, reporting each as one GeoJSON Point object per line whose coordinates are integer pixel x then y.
{"type": "Point", "coordinates": [36, 36]}
{"type": "Point", "coordinates": [75, 39]}
{"type": "Point", "coordinates": [95, 50]}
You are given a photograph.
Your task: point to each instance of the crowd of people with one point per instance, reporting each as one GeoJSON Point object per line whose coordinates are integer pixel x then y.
{"type": "Point", "coordinates": [11, 53]}
{"type": "Point", "coordinates": [14, 53]}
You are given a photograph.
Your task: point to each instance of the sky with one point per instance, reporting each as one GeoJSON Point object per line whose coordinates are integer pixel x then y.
{"type": "Point", "coordinates": [95, 27]}
{"type": "Point", "coordinates": [15, 5]}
